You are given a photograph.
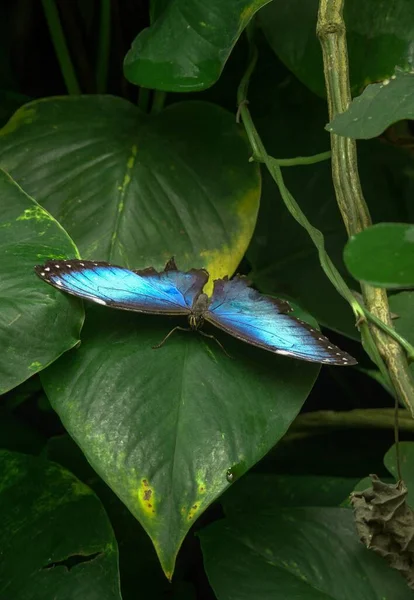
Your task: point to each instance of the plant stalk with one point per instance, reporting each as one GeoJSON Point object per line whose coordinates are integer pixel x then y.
{"type": "Point", "coordinates": [332, 34]}
{"type": "Point", "coordinates": [60, 46]}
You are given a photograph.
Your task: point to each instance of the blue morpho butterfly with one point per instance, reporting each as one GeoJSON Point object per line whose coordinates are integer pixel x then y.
{"type": "Point", "coordinates": [234, 307]}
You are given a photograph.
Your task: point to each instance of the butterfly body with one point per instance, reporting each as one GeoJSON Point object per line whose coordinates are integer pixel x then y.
{"type": "Point", "coordinates": [198, 310]}
{"type": "Point", "coordinates": [233, 307]}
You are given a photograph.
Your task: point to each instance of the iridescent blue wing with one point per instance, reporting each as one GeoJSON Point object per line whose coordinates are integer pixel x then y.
{"type": "Point", "coordinates": [263, 321]}
{"type": "Point", "coordinates": [168, 292]}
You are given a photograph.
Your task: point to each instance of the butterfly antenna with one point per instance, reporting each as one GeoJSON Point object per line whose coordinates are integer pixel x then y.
{"type": "Point", "coordinates": [170, 333]}
{"type": "Point", "coordinates": [209, 335]}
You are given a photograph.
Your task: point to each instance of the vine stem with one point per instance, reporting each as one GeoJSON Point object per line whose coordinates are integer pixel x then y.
{"type": "Point", "coordinates": [332, 35]}
{"type": "Point", "coordinates": [370, 418]}
{"type": "Point", "coordinates": [61, 48]}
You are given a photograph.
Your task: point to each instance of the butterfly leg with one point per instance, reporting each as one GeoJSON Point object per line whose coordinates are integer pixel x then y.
{"type": "Point", "coordinates": [209, 335]}
{"type": "Point", "coordinates": [170, 333]}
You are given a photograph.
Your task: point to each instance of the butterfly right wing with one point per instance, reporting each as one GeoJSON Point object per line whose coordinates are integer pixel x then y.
{"type": "Point", "coordinates": [264, 322]}
{"type": "Point", "coordinates": [170, 292]}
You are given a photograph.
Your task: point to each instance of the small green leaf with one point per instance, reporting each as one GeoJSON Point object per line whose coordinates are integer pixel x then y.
{"type": "Point", "coordinates": [37, 323]}
{"type": "Point", "coordinates": [56, 539]}
{"type": "Point", "coordinates": [379, 106]}
{"type": "Point", "coordinates": [283, 553]}
{"type": "Point", "coordinates": [382, 255]}
{"type": "Point", "coordinates": [135, 189]}
{"type": "Point", "coordinates": [188, 45]}
{"type": "Point", "coordinates": [162, 427]}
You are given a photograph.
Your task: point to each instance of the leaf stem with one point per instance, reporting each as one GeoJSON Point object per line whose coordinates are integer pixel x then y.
{"type": "Point", "coordinates": [332, 34]}
{"type": "Point", "coordinates": [103, 46]}
{"type": "Point", "coordinates": [303, 160]}
{"type": "Point", "coordinates": [61, 49]}
{"type": "Point", "coordinates": [158, 101]}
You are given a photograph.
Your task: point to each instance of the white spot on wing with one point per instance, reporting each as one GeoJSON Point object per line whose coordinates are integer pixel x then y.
{"type": "Point", "coordinates": [58, 282]}
{"type": "Point", "coordinates": [47, 268]}
{"type": "Point", "coordinates": [99, 301]}
{"type": "Point", "coordinates": [82, 264]}
{"type": "Point", "coordinates": [57, 266]}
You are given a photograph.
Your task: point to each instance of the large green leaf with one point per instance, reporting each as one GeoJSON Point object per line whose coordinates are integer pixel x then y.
{"type": "Point", "coordinates": [382, 255]}
{"type": "Point", "coordinates": [283, 257]}
{"type": "Point", "coordinates": [137, 189]}
{"type": "Point", "coordinates": [36, 325]}
{"type": "Point", "coordinates": [259, 491]}
{"type": "Point", "coordinates": [138, 561]}
{"type": "Point", "coordinates": [188, 45]}
{"type": "Point", "coordinates": [379, 36]}
{"type": "Point", "coordinates": [163, 427]}
{"type": "Point", "coordinates": [291, 553]}
{"type": "Point", "coordinates": [55, 537]}
{"type": "Point", "coordinates": [379, 106]}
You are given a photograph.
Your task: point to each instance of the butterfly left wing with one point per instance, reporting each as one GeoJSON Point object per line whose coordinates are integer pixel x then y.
{"type": "Point", "coordinates": [169, 292]}
{"type": "Point", "coordinates": [263, 321]}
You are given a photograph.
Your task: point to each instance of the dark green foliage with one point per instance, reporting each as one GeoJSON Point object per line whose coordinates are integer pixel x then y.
{"type": "Point", "coordinates": [204, 468]}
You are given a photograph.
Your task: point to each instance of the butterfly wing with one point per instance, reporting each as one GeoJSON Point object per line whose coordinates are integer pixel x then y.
{"type": "Point", "coordinates": [169, 292]}
{"type": "Point", "coordinates": [263, 321]}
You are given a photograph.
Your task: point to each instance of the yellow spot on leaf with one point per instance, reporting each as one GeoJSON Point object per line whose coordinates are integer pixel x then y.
{"type": "Point", "coordinates": [146, 498]}
{"type": "Point", "coordinates": [24, 116]}
{"type": "Point", "coordinates": [80, 489]}
{"type": "Point", "coordinates": [36, 212]}
{"type": "Point", "coordinates": [249, 11]}
{"type": "Point", "coordinates": [192, 512]}
{"type": "Point", "coordinates": [223, 261]}
{"type": "Point", "coordinates": [35, 366]}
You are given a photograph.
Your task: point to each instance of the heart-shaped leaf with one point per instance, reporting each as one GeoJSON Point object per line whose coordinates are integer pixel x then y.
{"type": "Point", "coordinates": [188, 45]}
{"type": "Point", "coordinates": [289, 553]}
{"type": "Point", "coordinates": [164, 428]}
{"type": "Point", "coordinates": [37, 325]}
{"type": "Point", "coordinates": [135, 189]}
{"type": "Point", "coordinates": [379, 36]}
{"type": "Point", "coordinates": [259, 491]}
{"type": "Point", "coordinates": [56, 539]}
